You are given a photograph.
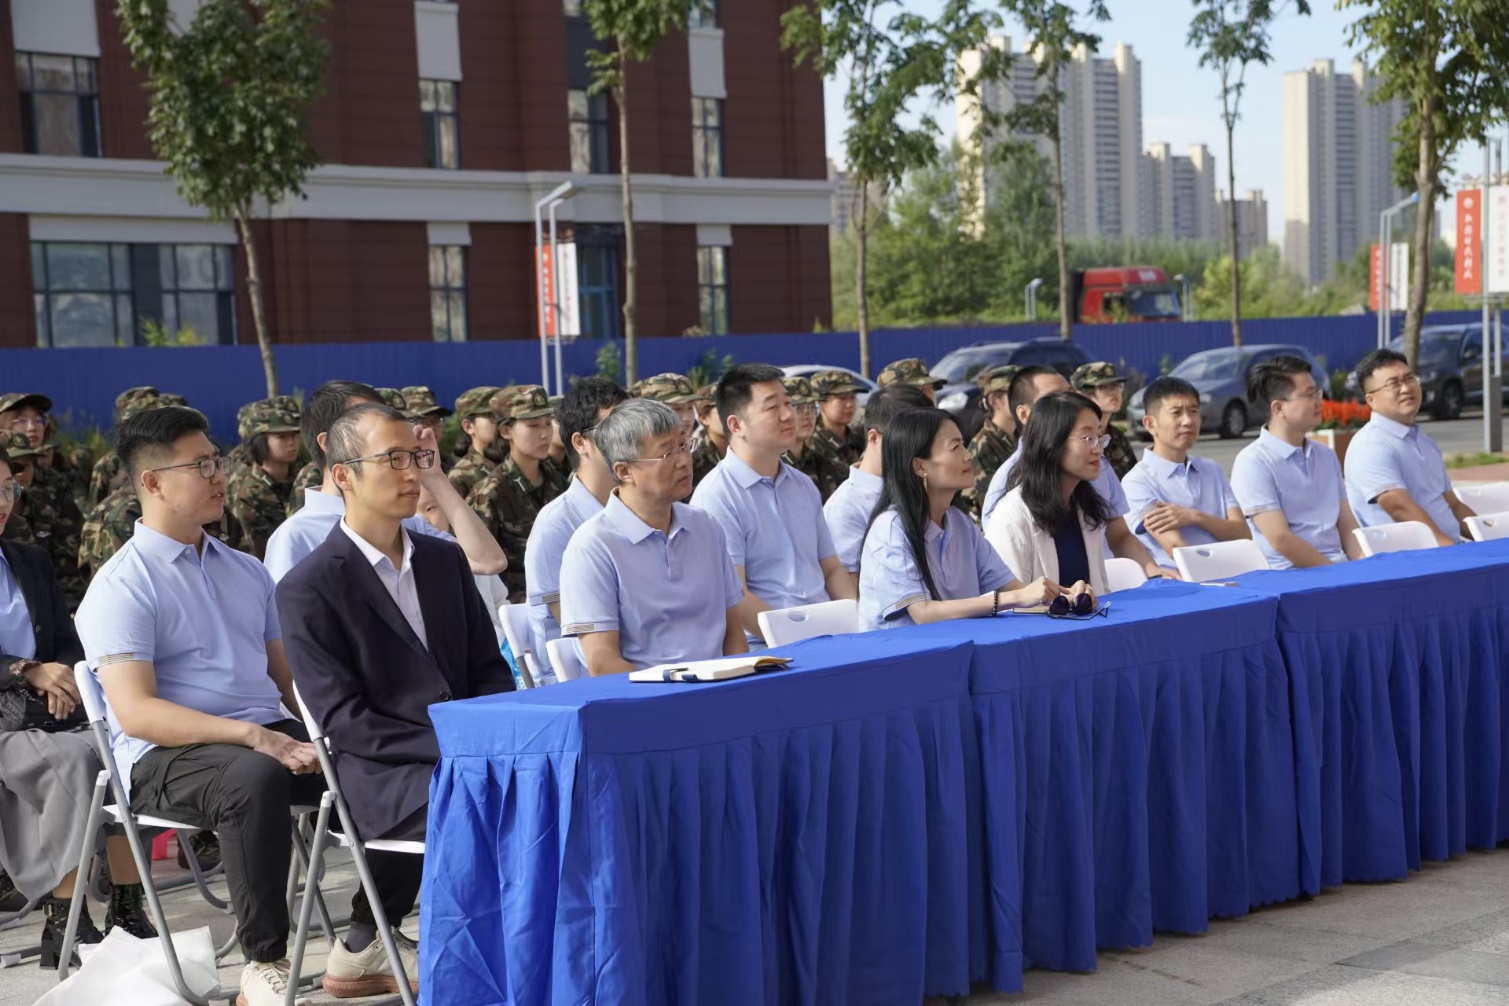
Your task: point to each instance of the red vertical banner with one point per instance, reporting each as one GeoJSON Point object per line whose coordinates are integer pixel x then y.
{"type": "Point", "coordinates": [1469, 240]}
{"type": "Point", "coordinates": [1375, 277]}
{"type": "Point", "coordinates": [544, 270]}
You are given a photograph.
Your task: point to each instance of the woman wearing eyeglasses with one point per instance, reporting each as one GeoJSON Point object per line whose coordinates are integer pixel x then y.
{"type": "Point", "coordinates": [924, 560]}
{"type": "Point", "coordinates": [1052, 522]}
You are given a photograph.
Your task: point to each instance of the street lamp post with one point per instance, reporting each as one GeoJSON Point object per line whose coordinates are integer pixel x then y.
{"type": "Point", "coordinates": [567, 191]}
{"type": "Point", "coordinates": [1031, 296]}
{"type": "Point", "coordinates": [1184, 307]}
{"type": "Point", "coordinates": [1385, 248]}
{"type": "Point", "coordinates": [545, 297]}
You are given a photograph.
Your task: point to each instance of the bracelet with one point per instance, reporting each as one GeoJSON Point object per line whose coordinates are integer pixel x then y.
{"type": "Point", "coordinates": [19, 668]}
{"type": "Point", "coordinates": [995, 603]}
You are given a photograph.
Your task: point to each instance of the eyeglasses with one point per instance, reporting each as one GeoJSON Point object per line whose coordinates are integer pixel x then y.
{"type": "Point", "coordinates": [1080, 608]}
{"type": "Point", "coordinates": [1095, 443]}
{"type": "Point", "coordinates": [1398, 384]}
{"type": "Point", "coordinates": [208, 467]}
{"type": "Point", "coordinates": [11, 491]}
{"type": "Point", "coordinates": [684, 447]}
{"type": "Point", "coordinates": [24, 421]}
{"type": "Point", "coordinates": [1312, 395]}
{"type": "Point", "coordinates": [397, 459]}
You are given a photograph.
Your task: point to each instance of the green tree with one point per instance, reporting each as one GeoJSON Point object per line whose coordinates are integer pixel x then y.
{"type": "Point", "coordinates": [631, 30]}
{"type": "Point", "coordinates": [229, 98]}
{"type": "Point", "coordinates": [888, 56]}
{"type": "Point", "coordinates": [1019, 227]}
{"type": "Point", "coordinates": [1232, 35]}
{"type": "Point", "coordinates": [1449, 62]}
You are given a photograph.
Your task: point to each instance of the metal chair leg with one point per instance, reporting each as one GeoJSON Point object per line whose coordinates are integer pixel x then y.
{"type": "Point", "coordinates": [379, 916]}
{"type": "Point", "coordinates": [200, 877]}
{"type": "Point", "coordinates": [301, 851]}
{"type": "Point", "coordinates": [311, 888]}
{"type": "Point", "coordinates": [86, 852]}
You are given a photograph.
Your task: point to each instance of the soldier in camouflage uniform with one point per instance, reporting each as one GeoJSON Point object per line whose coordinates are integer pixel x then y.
{"type": "Point", "coordinates": [109, 472]}
{"type": "Point", "coordinates": [256, 495]}
{"type": "Point", "coordinates": [46, 514]}
{"type": "Point", "coordinates": [673, 390]}
{"type": "Point", "coordinates": [474, 408]}
{"type": "Point", "coordinates": [910, 371]}
{"type": "Point", "coordinates": [30, 414]}
{"type": "Point", "coordinates": [810, 457]}
{"type": "Point", "coordinates": [997, 437]}
{"type": "Point", "coordinates": [1100, 383]}
{"type": "Point", "coordinates": [838, 401]}
{"type": "Point", "coordinates": [710, 442]}
{"type": "Point", "coordinates": [509, 499]}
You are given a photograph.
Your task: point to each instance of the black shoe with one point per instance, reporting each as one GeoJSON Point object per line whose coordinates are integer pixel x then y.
{"type": "Point", "coordinates": [56, 910]}
{"type": "Point", "coordinates": [128, 910]}
{"type": "Point", "coordinates": [206, 849]}
{"type": "Point", "coordinates": [11, 900]}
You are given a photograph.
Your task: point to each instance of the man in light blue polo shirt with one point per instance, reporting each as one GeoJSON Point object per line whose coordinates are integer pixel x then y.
{"type": "Point", "coordinates": [1289, 486]}
{"type": "Point", "coordinates": [323, 508]}
{"type": "Point", "coordinates": [1174, 499]}
{"type": "Point", "coordinates": [587, 404]}
{"type": "Point", "coordinates": [648, 580]}
{"type": "Point", "coordinates": [1394, 471]}
{"type": "Point", "coordinates": [771, 514]}
{"type": "Point", "coordinates": [183, 634]}
{"type": "Point", "coordinates": [848, 510]}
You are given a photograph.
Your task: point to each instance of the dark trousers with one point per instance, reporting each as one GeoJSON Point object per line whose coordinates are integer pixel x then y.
{"type": "Point", "coordinates": [244, 797]}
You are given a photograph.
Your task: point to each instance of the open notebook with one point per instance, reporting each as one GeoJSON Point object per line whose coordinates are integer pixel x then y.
{"type": "Point", "coordinates": [711, 670]}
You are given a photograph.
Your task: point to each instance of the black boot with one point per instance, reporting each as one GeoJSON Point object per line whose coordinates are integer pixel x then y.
{"type": "Point", "coordinates": [128, 910]}
{"type": "Point", "coordinates": [206, 848]}
{"type": "Point", "coordinates": [11, 900]}
{"type": "Point", "coordinates": [56, 910]}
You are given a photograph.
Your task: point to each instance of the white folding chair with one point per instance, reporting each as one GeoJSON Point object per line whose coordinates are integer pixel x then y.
{"type": "Point", "coordinates": [1219, 560]}
{"type": "Point", "coordinates": [1489, 527]}
{"type": "Point", "coordinates": [1123, 574]}
{"type": "Point", "coordinates": [347, 837]}
{"type": "Point", "coordinates": [792, 625]}
{"type": "Point", "coordinates": [566, 657]}
{"type": "Point", "coordinates": [1489, 498]}
{"type": "Point", "coordinates": [1405, 536]}
{"type": "Point", "coordinates": [515, 619]}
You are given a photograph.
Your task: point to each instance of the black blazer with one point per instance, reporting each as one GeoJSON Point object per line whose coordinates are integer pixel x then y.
{"type": "Point", "coordinates": [369, 681]}
{"type": "Point", "coordinates": [52, 628]}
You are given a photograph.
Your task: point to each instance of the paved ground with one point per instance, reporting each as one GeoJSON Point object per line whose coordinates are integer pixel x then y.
{"type": "Point", "coordinates": [1441, 938]}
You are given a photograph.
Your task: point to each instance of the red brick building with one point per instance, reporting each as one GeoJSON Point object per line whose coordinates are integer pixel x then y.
{"type": "Point", "coordinates": [442, 125]}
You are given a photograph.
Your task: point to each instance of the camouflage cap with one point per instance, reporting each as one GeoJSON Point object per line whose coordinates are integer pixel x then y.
{"type": "Point", "coordinates": [164, 400]}
{"type": "Point", "coordinates": [476, 401]}
{"type": "Point", "coordinates": [270, 415]}
{"type": "Point", "coordinates": [705, 398]}
{"type": "Point", "coordinates": [1093, 375]}
{"type": "Point", "coordinates": [18, 445]}
{"type": "Point", "coordinates": [827, 383]}
{"type": "Point", "coordinates": [522, 401]}
{"type": "Point", "coordinates": [800, 390]}
{"type": "Point", "coordinates": [994, 379]}
{"type": "Point", "coordinates": [394, 397]}
{"type": "Point", "coordinates": [672, 389]}
{"type": "Point", "coordinates": [908, 371]}
{"type": "Point", "coordinates": [17, 399]}
{"type": "Point", "coordinates": [421, 401]}
{"type": "Point", "coordinates": [131, 396]}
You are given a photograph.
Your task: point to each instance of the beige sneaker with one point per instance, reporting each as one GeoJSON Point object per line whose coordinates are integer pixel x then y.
{"type": "Point", "coordinates": [367, 973]}
{"type": "Point", "coordinates": [266, 985]}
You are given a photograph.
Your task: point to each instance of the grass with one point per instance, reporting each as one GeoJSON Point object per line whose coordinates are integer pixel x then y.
{"type": "Point", "coordinates": [1475, 460]}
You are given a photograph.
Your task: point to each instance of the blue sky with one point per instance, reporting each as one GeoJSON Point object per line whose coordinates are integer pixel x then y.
{"type": "Point", "coordinates": [1181, 101]}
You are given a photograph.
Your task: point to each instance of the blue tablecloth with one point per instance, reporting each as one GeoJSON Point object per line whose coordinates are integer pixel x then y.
{"type": "Point", "coordinates": [1398, 665]}
{"type": "Point", "coordinates": [1138, 771]}
{"type": "Point", "coordinates": [799, 838]}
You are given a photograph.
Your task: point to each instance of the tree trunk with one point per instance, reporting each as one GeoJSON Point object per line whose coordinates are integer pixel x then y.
{"type": "Point", "coordinates": [1236, 252]}
{"type": "Point", "coordinates": [861, 263]}
{"type": "Point", "coordinates": [259, 314]}
{"type": "Point", "coordinates": [1425, 181]}
{"type": "Point", "coordinates": [1065, 314]}
{"type": "Point", "coordinates": [631, 260]}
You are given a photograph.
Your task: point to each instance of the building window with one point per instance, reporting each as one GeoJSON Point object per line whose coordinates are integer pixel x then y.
{"type": "Point", "coordinates": [712, 289]}
{"type": "Point", "coordinates": [589, 132]}
{"type": "Point", "coordinates": [60, 105]}
{"type": "Point", "coordinates": [130, 295]}
{"type": "Point", "coordinates": [448, 293]}
{"type": "Point", "coordinates": [703, 15]}
{"type": "Point", "coordinates": [597, 285]}
{"type": "Point", "coordinates": [441, 125]}
{"type": "Point", "coordinates": [707, 137]}
{"type": "Point", "coordinates": [573, 8]}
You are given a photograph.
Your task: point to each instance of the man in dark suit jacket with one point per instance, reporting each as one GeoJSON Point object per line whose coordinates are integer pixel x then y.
{"type": "Point", "coordinates": [379, 624]}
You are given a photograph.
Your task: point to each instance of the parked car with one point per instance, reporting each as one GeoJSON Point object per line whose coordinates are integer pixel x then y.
{"type": "Point", "coordinates": [1450, 368]}
{"type": "Point", "coordinates": [961, 395]}
{"type": "Point", "coordinates": [1220, 375]}
{"type": "Point", "coordinates": [808, 369]}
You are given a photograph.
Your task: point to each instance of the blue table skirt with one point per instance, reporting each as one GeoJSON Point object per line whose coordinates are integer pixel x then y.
{"type": "Point", "coordinates": [1398, 665]}
{"type": "Point", "coordinates": [1138, 772]}
{"type": "Point", "coordinates": [737, 843]}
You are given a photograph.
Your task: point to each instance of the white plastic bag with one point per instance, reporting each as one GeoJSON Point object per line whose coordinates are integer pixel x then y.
{"type": "Point", "coordinates": [126, 971]}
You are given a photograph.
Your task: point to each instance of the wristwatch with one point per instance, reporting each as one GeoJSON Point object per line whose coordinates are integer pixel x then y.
{"type": "Point", "coordinates": [18, 670]}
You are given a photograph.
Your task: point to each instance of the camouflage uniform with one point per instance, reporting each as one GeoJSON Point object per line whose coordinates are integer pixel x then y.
{"type": "Point", "coordinates": [908, 371]}
{"type": "Point", "coordinates": [505, 500]}
{"type": "Point", "coordinates": [705, 452]}
{"type": "Point", "coordinates": [109, 472]}
{"type": "Point", "coordinates": [46, 515]}
{"type": "Point", "coordinates": [1118, 452]}
{"type": "Point", "coordinates": [851, 445]}
{"type": "Point", "coordinates": [817, 461]}
{"type": "Point", "coordinates": [258, 504]}
{"type": "Point", "coordinates": [992, 445]}
{"type": "Point", "coordinates": [474, 466]}
{"type": "Point", "coordinates": [311, 476]}
{"type": "Point", "coordinates": [112, 523]}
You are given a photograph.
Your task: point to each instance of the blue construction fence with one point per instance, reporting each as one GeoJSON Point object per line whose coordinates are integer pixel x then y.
{"type": "Point", "coordinates": [83, 383]}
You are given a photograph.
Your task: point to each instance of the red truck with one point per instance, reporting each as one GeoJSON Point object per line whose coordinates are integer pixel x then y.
{"type": "Point", "coordinates": [1123, 293]}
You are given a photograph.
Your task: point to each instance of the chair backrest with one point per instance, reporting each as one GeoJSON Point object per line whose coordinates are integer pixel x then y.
{"type": "Point", "coordinates": [1219, 560]}
{"type": "Point", "coordinates": [515, 619]}
{"type": "Point", "coordinates": [566, 658]}
{"type": "Point", "coordinates": [1404, 536]}
{"type": "Point", "coordinates": [1123, 574]}
{"type": "Point", "coordinates": [792, 625]}
{"type": "Point", "coordinates": [90, 691]}
{"type": "Point", "coordinates": [316, 735]}
{"type": "Point", "coordinates": [1489, 498]}
{"type": "Point", "coordinates": [1488, 527]}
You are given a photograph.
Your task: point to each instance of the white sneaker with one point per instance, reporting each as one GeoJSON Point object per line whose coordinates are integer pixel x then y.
{"type": "Point", "coordinates": [266, 985]}
{"type": "Point", "coordinates": [349, 974]}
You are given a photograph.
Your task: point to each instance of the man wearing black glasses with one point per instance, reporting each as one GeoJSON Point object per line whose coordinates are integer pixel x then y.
{"type": "Point", "coordinates": [379, 623]}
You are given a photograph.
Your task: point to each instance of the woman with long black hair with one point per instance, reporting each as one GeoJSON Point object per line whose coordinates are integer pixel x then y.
{"type": "Point", "coordinates": [923, 559]}
{"type": "Point", "coordinates": [1052, 522]}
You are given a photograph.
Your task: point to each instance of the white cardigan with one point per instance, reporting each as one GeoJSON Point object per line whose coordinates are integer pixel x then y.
{"type": "Point", "coordinates": [1029, 551]}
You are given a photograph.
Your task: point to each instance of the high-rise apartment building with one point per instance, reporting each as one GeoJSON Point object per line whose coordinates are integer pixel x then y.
{"type": "Point", "coordinates": [441, 125]}
{"type": "Point", "coordinates": [1178, 193]}
{"type": "Point", "coordinates": [1252, 222]}
{"type": "Point", "coordinates": [1338, 163]}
